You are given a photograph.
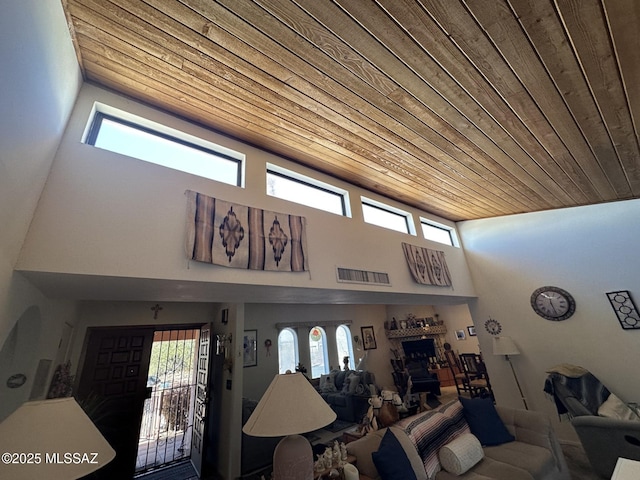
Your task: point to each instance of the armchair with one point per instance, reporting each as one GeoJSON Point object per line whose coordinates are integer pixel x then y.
{"type": "Point", "coordinates": [606, 426]}
{"type": "Point", "coordinates": [605, 439]}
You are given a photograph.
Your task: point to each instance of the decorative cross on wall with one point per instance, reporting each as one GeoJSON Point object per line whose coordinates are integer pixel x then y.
{"type": "Point", "coordinates": [156, 309]}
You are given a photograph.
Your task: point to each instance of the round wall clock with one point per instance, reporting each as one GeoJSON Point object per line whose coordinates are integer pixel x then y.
{"type": "Point", "coordinates": [553, 303]}
{"type": "Point", "coordinates": [493, 326]}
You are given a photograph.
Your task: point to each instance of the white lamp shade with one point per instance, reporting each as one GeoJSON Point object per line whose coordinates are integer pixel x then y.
{"type": "Point", "coordinates": [504, 346]}
{"type": "Point", "coordinates": [57, 436]}
{"type": "Point", "coordinates": [289, 406]}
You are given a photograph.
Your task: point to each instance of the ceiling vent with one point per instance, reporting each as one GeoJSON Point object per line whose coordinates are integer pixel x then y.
{"type": "Point", "coordinates": [350, 275]}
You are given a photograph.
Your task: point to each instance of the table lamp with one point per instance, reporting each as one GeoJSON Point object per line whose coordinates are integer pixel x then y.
{"type": "Point", "coordinates": [506, 346]}
{"type": "Point", "coordinates": [289, 407]}
{"type": "Point", "coordinates": [52, 439]}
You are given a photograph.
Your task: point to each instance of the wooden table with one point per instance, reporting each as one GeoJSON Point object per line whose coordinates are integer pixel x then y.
{"type": "Point", "coordinates": [351, 435]}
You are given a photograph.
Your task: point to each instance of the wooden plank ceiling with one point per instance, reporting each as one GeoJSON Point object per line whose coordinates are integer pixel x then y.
{"type": "Point", "coordinates": [463, 108]}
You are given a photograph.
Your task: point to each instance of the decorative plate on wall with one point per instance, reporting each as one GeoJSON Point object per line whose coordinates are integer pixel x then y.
{"type": "Point", "coordinates": [553, 303]}
{"type": "Point", "coordinates": [493, 326]}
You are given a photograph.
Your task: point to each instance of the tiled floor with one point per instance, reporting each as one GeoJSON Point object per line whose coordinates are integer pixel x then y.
{"type": "Point", "coordinates": [160, 451]}
{"type": "Point", "coordinates": [178, 471]}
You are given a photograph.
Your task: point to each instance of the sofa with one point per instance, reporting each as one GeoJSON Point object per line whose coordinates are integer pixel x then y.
{"type": "Point", "coordinates": [347, 392]}
{"type": "Point", "coordinates": [467, 439]}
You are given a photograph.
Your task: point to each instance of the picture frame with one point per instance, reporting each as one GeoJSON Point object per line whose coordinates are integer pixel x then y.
{"type": "Point", "coordinates": [225, 316]}
{"type": "Point", "coordinates": [472, 331]}
{"type": "Point", "coordinates": [460, 335]}
{"type": "Point", "coordinates": [625, 309]}
{"type": "Point", "coordinates": [250, 348]}
{"type": "Point", "coordinates": [368, 338]}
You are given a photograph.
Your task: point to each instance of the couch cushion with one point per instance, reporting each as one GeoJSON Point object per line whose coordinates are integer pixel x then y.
{"type": "Point", "coordinates": [455, 412]}
{"type": "Point", "coordinates": [488, 469]}
{"type": "Point", "coordinates": [327, 383]}
{"type": "Point", "coordinates": [429, 431]}
{"type": "Point", "coordinates": [339, 378]}
{"type": "Point", "coordinates": [462, 453]}
{"type": "Point", "coordinates": [354, 381]}
{"type": "Point", "coordinates": [538, 461]}
{"type": "Point", "coordinates": [362, 450]}
{"type": "Point", "coordinates": [484, 421]}
{"type": "Point", "coordinates": [411, 453]}
{"type": "Point", "coordinates": [345, 385]}
{"type": "Point", "coordinates": [391, 461]}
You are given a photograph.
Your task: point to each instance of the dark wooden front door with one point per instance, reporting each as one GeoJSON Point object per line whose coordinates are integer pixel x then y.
{"type": "Point", "coordinates": [113, 385]}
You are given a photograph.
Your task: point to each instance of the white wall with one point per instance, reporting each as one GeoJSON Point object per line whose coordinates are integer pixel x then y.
{"type": "Point", "coordinates": [39, 82]}
{"type": "Point", "coordinates": [587, 251]}
{"type": "Point", "coordinates": [106, 214]}
{"type": "Point", "coordinates": [458, 317]}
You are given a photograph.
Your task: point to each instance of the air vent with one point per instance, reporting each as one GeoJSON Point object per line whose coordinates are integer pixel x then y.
{"type": "Point", "coordinates": [349, 275]}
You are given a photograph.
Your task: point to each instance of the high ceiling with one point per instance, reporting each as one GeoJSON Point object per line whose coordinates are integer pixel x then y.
{"type": "Point", "coordinates": [463, 108]}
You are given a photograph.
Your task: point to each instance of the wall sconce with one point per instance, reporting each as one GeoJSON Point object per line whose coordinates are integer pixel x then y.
{"type": "Point", "coordinates": [220, 341]}
{"type": "Point", "coordinates": [223, 347]}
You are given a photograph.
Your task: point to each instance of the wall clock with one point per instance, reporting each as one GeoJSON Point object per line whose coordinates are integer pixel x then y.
{"type": "Point", "coordinates": [553, 303]}
{"type": "Point", "coordinates": [493, 326]}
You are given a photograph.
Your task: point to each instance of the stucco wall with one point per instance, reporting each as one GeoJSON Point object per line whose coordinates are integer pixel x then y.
{"type": "Point", "coordinates": [103, 213]}
{"type": "Point", "coordinates": [587, 251]}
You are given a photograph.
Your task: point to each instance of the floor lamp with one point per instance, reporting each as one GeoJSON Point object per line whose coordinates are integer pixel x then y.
{"type": "Point", "coordinates": [506, 346]}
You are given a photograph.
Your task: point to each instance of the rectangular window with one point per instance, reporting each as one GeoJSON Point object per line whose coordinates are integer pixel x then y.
{"type": "Point", "coordinates": [134, 140]}
{"type": "Point", "coordinates": [387, 216]}
{"type": "Point", "coordinates": [291, 186]}
{"type": "Point", "coordinates": [438, 233]}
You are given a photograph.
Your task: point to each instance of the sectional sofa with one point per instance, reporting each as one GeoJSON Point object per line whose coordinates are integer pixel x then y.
{"type": "Point", "coordinates": [467, 439]}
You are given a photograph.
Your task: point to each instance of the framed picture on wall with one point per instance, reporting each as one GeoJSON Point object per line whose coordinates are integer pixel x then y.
{"type": "Point", "coordinates": [250, 348]}
{"type": "Point", "coordinates": [472, 330]}
{"type": "Point", "coordinates": [368, 338]}
{"type": "Point", "coordinates": [460, 335]}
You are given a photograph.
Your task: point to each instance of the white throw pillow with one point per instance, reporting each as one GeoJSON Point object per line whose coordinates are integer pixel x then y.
{"type": "Point", "coordinates": [613, 407]}
{"type": "Point", "coordinates": [327, 383]}
{"type": "Point", "coordinates": [459, 455]}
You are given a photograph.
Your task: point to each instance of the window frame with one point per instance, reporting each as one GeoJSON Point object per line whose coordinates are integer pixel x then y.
{"type": "Point", "coordinates": [325, 352]}
{"type": "Point", "coordinates": [407, 216]}
{"type": "Point", "coordinates": [296, 349]}
{"type": "Point", "coordinates": [165, 133]}
{"type": "Point", "coordinates": [347, 331]}
{"type": "Point", "coordinates": [453, 235]}
{"type": "Point", "coordinates": [342, 194]}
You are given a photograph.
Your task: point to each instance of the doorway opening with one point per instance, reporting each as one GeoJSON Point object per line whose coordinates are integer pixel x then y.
{"type": "Point", "coordinates": [167, 421]}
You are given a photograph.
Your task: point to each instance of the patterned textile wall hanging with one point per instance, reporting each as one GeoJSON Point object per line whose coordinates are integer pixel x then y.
{"type": "Point", "coordinates": [233, 235]}
{"type": "Point", "coordinates": [427, 267]}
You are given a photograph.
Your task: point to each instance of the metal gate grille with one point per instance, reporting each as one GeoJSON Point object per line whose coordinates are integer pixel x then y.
{"type": "Point", "coordinates": [167, 421]}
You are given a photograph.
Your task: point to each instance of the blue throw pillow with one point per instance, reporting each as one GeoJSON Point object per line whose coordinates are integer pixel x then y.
{"type": "Point", "coordinates": [391, 460]}
{"type": "Point", "coordinates": [484, 421]}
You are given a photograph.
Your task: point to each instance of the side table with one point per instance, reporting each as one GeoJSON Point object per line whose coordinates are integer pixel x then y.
{"type": "Point", "coordinates": [626, 470]}
{"type": "Point", "coordinates": [351, 435]}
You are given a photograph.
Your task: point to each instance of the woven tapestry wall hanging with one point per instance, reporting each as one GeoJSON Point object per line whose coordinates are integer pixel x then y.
{"type": "Point", "coordinates": [427, 266]}
{"type": "Point", "coordinates": [232, 235]}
